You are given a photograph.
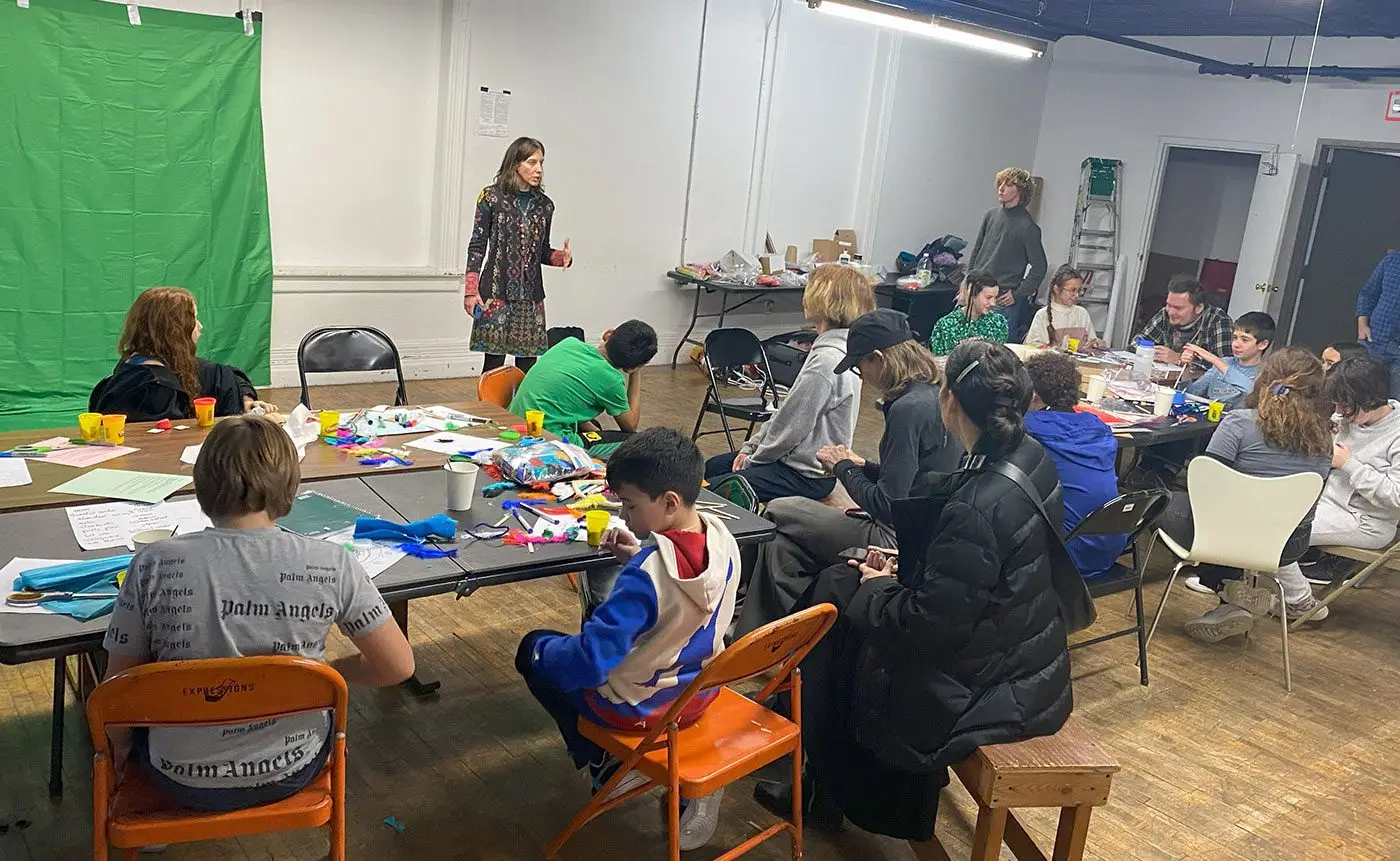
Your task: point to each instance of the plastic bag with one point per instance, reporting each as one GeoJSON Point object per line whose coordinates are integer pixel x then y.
{"type": "Point", "coordinates": [737, 268]}
{"type": "Point", "coordinates": [542, 463]}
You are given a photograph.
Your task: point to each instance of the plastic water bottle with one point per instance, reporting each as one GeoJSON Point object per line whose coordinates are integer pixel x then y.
{"type": "Point", "coordinates": [1142, 361]}
{"type": "Point", "coordinates": [923, 270]}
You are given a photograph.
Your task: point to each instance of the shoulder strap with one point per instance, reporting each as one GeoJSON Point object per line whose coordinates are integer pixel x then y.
{"type": "Point", "coordinates": [1023, 481]}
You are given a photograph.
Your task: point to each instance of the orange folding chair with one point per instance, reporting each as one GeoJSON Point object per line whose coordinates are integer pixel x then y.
{"type": "Point", "coordinates": [734, 737]}
{"type": "Point", "coordinates": [130, 811]}
{"type": "Point", "coordinates": [497, 386]}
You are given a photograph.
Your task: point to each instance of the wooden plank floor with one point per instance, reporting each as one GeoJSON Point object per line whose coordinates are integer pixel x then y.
{"type": "Point", "coordinates": [1218, 762]}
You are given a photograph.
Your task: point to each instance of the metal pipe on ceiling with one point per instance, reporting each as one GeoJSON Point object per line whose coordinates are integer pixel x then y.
{"type": "Point", "coordinates": [1353, 73]}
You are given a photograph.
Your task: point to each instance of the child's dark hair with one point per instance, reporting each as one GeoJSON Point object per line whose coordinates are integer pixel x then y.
{"type": "Point", "coordinates": [976, 282]}
{"type": "Point", "coordinates": [1349, 350]}
{"type": "Point", "coordinates": [657, 460]}
{"type": "Point", "coordinates": [994, 390]}
{"type": "Point", "coordinates": [1258, 324]}
{"type": "Point", "coordinates": [1055, 379]}
{"type": "Point", "coordinates": [1358, 385]}
{"type": "Point", "coordinates": [632, 345]}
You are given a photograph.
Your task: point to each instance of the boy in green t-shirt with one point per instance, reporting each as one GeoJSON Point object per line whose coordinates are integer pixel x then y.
{"type": "Point", "coordinates": [574, 383]}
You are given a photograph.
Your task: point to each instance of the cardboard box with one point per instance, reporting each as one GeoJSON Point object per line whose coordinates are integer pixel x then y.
{"type": "Point", "coordinates": [791, 257]}
{"type": "Point", "coordinates": [847, 240]}
{"type": "Point", "coordinates": [827, 250]}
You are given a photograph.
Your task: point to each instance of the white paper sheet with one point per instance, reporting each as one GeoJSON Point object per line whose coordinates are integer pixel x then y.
{"type": "Point", "coordinates": [149, 487]}
{"type": "Point", "coordinates": [455, 443]}
{"type": "Point", "coordinates": [111, 524]}
{"type": "Point", "coordinates": [559, 522]}
{"type": "Point", "coordinates": [374, 556]}
{"type": "Point", "coordinates": [14, 472]}
{"type": "Point", "coordinates": [493, 113]}
{"type": "Point", "coordinates": [190, 454]}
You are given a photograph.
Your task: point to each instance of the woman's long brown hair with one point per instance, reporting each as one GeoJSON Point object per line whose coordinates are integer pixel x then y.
{"type": "Point", "coordinates": [1293, 411]}
{"type": "Point", "coordinates": [520, 149]}
{"type": "Point", "coordinates": [160, 325]}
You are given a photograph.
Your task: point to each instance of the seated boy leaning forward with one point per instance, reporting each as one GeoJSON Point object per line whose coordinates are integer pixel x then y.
{"type": "Point", "coordinates": [247, 588]}
{"type": "Point", "coordinates": [1230, 378]}
{"type": "Point", "coordinates": [574, 383]}
{"type": "Point", "coordinates": [662, 623]}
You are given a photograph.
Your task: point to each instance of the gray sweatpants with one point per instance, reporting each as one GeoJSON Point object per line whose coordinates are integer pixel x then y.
{"type": "Point", "coordinates": [810, 538]}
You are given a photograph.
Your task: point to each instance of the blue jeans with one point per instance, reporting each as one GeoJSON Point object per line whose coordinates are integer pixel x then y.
{"type": "Point", "coordinates": [1389, 355]}
{"type": "Point", "coordinates": [771, 481]}
{"type": "Point", "coordinates": [1018, 319]}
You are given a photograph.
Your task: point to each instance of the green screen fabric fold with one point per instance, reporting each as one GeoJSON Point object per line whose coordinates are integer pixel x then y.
{"type": "Point", "coordinates": [130, 157]}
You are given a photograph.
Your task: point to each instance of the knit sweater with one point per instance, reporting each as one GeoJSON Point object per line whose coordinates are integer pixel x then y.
{"type": "Point", "coordinates": [1008, 248]}
{"type": "Point", "coordinates": [1369, 483]}
{"type": "Point", "coordinates": [1072, 321]}
{"type": "Point", "coordinates": [820, 410]}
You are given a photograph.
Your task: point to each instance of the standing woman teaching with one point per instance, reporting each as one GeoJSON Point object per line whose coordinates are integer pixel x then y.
{"type": "Point", "coordinates": [509, 244]}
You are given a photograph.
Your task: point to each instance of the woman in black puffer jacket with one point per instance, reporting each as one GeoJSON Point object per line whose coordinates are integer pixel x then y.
{"type": "Point", "coordinates": [962, 645]}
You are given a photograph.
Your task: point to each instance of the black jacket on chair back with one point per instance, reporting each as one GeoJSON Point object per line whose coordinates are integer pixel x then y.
{"type": "Point", "coordinates": [967, 646]}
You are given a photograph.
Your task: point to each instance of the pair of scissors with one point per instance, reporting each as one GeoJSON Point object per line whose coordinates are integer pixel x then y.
{"type": "Point", "coordinates": [30, 599]}
{"type": "Point", "coordinates": [27, 451]}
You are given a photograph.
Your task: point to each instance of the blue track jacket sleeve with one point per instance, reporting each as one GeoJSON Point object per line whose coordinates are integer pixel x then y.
{"type": "Point", "coordinates": [584, 660]}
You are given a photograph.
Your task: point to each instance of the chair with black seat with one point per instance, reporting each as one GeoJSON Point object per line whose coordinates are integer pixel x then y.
{"type": "Point", "coordinates": [341, 349]}
{"type": "Point", "coordinates": [728, 351]}
{"type": "Point", "coordinates": [1132, 514]}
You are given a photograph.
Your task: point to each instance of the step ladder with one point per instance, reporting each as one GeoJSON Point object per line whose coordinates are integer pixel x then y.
{"type": "Point", "coordinates": [1094, 244]}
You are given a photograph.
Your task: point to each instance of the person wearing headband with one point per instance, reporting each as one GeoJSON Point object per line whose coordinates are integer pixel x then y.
{"type": "Point", "coordinates": [956, 642]}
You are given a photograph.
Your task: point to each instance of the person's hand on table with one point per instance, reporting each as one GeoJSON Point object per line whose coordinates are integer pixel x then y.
{"type": "Point", "coordinates": [621, 543]}
{"type": "Point", "coordinates": [251, 405]}
{"type": "Point", "coordinates": [1341, 453]}
{"type": "Point", "coordinates": [741, 460]}
{"type": "Point", "coordinates": [1005, 299]}
{"type": "Point", "coordinates": [1166, 355]}
{"type": "Point", "coordinates": [830, 455]}
{"type": "Point", "coordinates": [879, 562]}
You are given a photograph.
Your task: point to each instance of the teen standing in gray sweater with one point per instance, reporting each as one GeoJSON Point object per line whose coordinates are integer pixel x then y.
{"type": "Point", "coordinates": [1009, 247]}
{"type": "Point", "coordinates": [821, 407]}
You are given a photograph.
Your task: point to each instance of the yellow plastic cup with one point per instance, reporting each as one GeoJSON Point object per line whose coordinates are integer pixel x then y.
{"type": "Point", "coordinates": [1072, 344]}
{"type": "Point", "coordinates": [597, 522]}
{"type": "Point", "coordinates": [90, 426]}
{"type": "Point", "coordinates": [114, 429]}
{"type": "Point", "coordinates": [1215, 411]}
{"type": "Point", "coordinates": [204, 412]}
{"type": "Point", "coordinates": [534, 422]}
{"type": "Point", "coordinates": [330, 420]}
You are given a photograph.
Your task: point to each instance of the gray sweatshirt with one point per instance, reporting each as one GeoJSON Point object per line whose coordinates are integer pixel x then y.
{"type": "Point", "coordinates": [1369, 483]}
{"type": "Point", "coordinates": [1007, 243]}
{"type": "Point", "coordinates": [820, 409]}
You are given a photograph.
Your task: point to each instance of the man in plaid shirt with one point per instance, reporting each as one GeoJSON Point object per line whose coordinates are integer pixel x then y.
{"type": "Point", "coordinates": [1187, 318]}
{"type": "Point", "coordinates": [1378, 317]}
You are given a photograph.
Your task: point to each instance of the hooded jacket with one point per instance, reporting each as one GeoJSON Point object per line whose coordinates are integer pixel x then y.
{"type": "Point", "coordinates": [1084, 452]}
{"type": "Point", "coordinates": [652, 636]}
{"type": "Point", "coordinates": [820, 410]}
{"type": "Point", "coordinates": [149, 393]}
{"type": "Point", "coordinates": [967, 646]}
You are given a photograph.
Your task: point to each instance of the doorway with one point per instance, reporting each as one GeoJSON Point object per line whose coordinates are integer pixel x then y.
{"type": "Point", "coordinates": [1350, 222]}
{"type": "Point", "coordinates": [1198, 229]}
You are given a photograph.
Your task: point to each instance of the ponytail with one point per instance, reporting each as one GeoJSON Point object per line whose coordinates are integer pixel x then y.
{"type": "Point", "coordinates": [1063, 275]}
{"type": "Point", "coordinates": [993, 389]}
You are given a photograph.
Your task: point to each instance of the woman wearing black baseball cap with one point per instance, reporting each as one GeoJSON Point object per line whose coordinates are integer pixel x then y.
{"type": "Point", "coordinates": [811, 535]}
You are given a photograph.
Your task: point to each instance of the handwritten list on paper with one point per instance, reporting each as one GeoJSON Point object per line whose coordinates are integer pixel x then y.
{"type": "Point", "coordinates": [14, 472]}
{"type": "Point", "coordinates": [111, 524]}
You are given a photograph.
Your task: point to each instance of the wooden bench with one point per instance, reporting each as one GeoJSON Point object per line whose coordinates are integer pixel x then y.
{"type": "Point", "coordinates": [1067, 770]}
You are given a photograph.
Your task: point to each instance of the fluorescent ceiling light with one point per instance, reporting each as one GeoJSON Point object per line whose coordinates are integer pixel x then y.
{"type": "Point", "coordinates": [926, 26]}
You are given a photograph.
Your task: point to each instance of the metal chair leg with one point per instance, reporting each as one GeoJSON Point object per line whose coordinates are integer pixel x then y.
{"type": "Point", "coordinates": [700, 419]}
{"type": "Point", "coordinates": [1141, 632]}
{"type": "Point", "coordinates": [1157, 617]}
{"type": "Point", "coordinates": [1283, 617]}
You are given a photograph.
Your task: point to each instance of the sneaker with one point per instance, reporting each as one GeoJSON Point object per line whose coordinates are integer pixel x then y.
{"type": "Point", "coordinates": [1330, 571]}
{"type": "Point", "coordinates": [1311, 557]}
{"type": "Point", "coordinates": [1195, 585]}
{"type": "Point", "coordinates": [699, 818]}
{"type": "Point", "coordinates": [1257, 600]}
{"type": "Point", "coordinates": [599, 774]}
{"type": "Point", "coordinates": [1223, 622]}
{"type": "Point", "coordinates": [1299, 609]}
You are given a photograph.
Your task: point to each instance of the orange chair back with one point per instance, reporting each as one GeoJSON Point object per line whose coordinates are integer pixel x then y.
{"type": "Point", "coordinates": [497, 386]}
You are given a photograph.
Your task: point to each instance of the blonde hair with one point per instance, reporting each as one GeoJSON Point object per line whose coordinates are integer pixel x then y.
{"type": "Point", "coordinates": [837, 294]}
{"type": "Point", "coordinates": [1019, 178]}
{"type": "Point", "coordinates": [902, 364]}
{"type": "Point", "coordinates": [246, 465]}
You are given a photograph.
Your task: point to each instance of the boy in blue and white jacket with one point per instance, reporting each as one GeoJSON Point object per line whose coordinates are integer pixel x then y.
{"type": "Point", "coordinates": [662, 623]}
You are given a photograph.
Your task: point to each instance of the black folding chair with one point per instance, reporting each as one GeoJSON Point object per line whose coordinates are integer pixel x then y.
{"type": "Point", "coordinates": [555, 334]}
{"type": "Point", "coordinates": [1131, 514]}
{"type": "Point", "coordinates": [340, 349]}
{"type": "Point", "coordinates": [729, 350]}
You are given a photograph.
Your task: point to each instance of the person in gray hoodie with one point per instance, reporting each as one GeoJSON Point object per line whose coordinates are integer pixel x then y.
{"type": "Point", "coordinates": [821, 407]}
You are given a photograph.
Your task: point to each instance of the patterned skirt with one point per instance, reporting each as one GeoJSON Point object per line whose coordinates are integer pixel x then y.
{"type": "Point", "coordinates": [511, 327]}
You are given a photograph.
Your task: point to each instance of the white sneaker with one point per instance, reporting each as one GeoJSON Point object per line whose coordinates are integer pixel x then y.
{"type": "Point", "coordinates": [599, 775]}
{"type": "Point", "coordinates": [1299, 609]}
{"type": "Point", "coordinates": [1195, 585]}
{"type": "Point", "coordinates": [1256, 599]}
{"type": "Point", "coordinates": [699, 820]}
{"type": "Point", "coordinates": [1223, 622]}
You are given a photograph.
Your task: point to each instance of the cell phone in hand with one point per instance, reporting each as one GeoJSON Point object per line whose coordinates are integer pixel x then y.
{"type": "Point", "coordinates": [854, 554]}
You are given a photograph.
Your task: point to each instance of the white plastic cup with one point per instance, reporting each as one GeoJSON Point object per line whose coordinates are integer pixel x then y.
{"type": "Point", "coordinates": [461, 484]}
{"type": "Point", "coordinates": [1162, 404]}
{"type": "Point", "coordinates": [1097, 387]}
{"type": "Point", "coordinates": [149, 537]}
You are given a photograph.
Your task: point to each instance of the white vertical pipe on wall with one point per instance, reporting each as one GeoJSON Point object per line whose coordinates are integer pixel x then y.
{"type": "Point", "coordinates": [449, 197]}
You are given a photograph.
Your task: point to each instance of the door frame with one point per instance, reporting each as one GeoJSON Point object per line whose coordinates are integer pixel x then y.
{"type": "Point", "coordinates": [1311, 210]}
{"type": "Point", "coordinates": [1127, 303]}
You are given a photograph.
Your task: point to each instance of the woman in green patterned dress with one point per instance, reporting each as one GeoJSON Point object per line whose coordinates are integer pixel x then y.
{"type": "Point", "coordinates": [974, 319]}
{"type": "Point", "coordinates": [509, 244]}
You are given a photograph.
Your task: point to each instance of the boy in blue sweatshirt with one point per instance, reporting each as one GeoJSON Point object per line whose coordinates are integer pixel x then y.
{"type": "Point", "coordinates": [662, 623]}
{"type": "Point", "coordinates": [1230, 378]}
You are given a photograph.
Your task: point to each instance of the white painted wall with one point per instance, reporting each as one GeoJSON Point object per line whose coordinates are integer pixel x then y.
{"type": "Point", "coordinates": [1205, 204]}
{"type": "Point", "coordinates": [1104, 100]}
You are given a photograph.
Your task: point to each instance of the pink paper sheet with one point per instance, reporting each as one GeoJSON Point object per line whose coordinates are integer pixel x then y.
{"type": "Point", "coordinates": [83, 456]}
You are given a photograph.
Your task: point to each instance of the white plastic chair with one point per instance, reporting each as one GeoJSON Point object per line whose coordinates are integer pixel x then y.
{"type": "Point", "coordinates": [1241, 521]}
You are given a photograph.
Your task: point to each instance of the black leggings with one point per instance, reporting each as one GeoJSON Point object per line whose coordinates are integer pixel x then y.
{"type": "Point", "coordinates": [498, 360]}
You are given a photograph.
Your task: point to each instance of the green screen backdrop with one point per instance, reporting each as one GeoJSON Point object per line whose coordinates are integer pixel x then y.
{"type": "Point", "coordinates": [130, 157]}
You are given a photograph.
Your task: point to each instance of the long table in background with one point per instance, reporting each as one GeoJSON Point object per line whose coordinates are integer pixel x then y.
{"type": "Point", "coordinates": [39, 528]}
{"type": "Point", "coordinates": [726, 290]}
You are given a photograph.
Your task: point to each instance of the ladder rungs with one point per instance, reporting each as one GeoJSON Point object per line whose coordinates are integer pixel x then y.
{"type": "Point", "coordinates": [1087, 231]}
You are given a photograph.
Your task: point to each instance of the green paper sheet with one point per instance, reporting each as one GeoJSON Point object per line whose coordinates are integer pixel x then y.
{"type": "Point", "coordinates": [130, 157]}
{"type": "Point", "coordinates": [151, 487]}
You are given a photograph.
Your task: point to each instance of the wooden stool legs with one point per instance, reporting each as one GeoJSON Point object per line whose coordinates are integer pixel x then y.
{"type": "Point", "coordinates": [995, 825]}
